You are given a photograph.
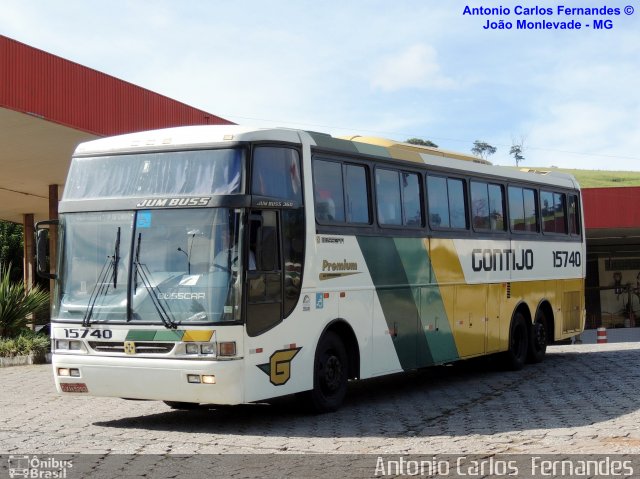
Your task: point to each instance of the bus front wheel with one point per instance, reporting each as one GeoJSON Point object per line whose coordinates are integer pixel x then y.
{"type": "Point", "coordinates": [516, 355]}
{"type": "Point", "coordinates": [329, 375]}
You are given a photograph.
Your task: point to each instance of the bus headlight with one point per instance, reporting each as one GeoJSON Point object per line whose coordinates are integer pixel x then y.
{"type": "Point", "coordinates": [193, 348]}
{"type": "Point", "coordinates": [68, 345]}
{"type": "Point", "coordinates": [208, 348]}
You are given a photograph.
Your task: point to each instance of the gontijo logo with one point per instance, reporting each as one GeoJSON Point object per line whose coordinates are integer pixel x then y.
{"type": "Point", "coordinates": [279, 366]}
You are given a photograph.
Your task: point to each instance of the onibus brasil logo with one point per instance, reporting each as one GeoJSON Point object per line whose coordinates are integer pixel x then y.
{"type": "Point", "coordinates": [40, 468]}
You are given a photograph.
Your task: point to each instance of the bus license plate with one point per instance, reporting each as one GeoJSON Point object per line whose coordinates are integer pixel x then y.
{"type": "Point", "coordinates": [74, 387]}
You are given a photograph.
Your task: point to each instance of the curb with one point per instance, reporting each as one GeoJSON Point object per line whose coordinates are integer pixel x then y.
{"type": "Point", "coordinates": [25, 360]}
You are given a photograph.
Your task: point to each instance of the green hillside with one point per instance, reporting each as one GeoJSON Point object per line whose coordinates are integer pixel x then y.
{"type": "Point", "coordinates": [602, 178]}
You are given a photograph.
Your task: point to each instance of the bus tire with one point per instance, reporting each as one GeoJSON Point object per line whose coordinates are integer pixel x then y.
{"type": "Point", "coordinates": [182, 406]}
{"type": "Point", "coordinates": [538, 339]}
{"type": "Point", "coordinates": [330, 372]}
{"type": "Point", "coordinates": [516, 355]}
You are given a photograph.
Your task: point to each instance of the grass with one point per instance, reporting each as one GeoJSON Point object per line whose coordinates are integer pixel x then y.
{"type": "Point", "coordinates": [602, 178]}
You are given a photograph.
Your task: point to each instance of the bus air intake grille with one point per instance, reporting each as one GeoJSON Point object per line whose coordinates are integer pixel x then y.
{"type": "Point", "coordinates": [141, 347]}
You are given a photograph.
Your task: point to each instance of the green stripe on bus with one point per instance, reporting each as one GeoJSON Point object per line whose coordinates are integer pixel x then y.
{"type": "Point", "coordinates": [154, 335]}
{"type": "Point", "coordinates": [140, 335]}
{"type": "Point", "coordinates": [368, 149]}
{"type": "Point", "coordinates": [168, 335]}
{"type": "Point", "coordinates": [397, 300]}
{"type": "Point", "coordinates": [327, 141]}
{"type": "Point", "coordinates": [426, 294]}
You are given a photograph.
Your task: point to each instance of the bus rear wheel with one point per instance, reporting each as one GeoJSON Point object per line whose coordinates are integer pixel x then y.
{"type": "Point", "coordinates": [538, 340]}
{"type": "Point", "coordinates": [329, 375]}
{"type": "Point", "coordinates": [516, 355]}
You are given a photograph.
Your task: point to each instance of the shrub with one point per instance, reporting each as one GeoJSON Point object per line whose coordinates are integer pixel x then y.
{"type": "Point", "coordinates": [17, 303]}
{"type": "Point", "coordinates": [24, 344]}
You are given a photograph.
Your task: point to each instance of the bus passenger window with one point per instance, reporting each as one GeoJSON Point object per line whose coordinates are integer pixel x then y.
{"type": "Point", "coordinates": [480, 206]}
{"type": "Point", "coordinates": [523, 213]}
{"type": "Point", "coordinates": [388, 197]}
{"type": "Point", "coordinates": [496, 207]}
{"type": "Point", "coordinates": [356, 194]}
{"type": "Point", "coordinates": [457, 208]}
{"type": "Point", "coordinates": [411, 203]}
{"type": "Point", "coordinates": [516, 209]}
{"type": "Point", "coordinates": [574, 222]}
{"type": "Point", "coordinates": [438, 203]}
{"type": "Point", "coordinates": [559, 212]}
{"type": "Point", "coordinates": [327, 183]}
{"type": "Point", "coordinates": [547, 213]}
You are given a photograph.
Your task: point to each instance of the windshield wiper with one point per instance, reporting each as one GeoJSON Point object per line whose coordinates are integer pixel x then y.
{"type": "Point", "coordinates": [152, 291]}
{"type": "Point", "coordinates": [116, 259]}
{"type": "Point", "coordinates": [101, 288]}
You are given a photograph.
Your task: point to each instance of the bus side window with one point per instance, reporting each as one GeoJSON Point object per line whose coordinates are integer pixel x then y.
{"type": "Point", "coordinates": [574, 221]}
{"type": "Point", "coordinates": [547, 213]}
{"type": "Point", "coordinates": [356, 194]}
{"type": "Point", "coordinates": [276, 173]}
{"type": "Point", "coordinates": [388, 197]}
{"type": "Point", "coordinates": [328, 192]}
{"type": "Point", "coordinates": [559, 204]}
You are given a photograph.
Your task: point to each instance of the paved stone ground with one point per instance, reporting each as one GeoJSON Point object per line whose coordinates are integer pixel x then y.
{"type": "Point", "coordinates": [581, 399]}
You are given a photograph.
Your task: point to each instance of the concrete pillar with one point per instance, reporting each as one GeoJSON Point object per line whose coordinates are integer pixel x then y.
{"type": "Point", "coordinates": [28, 262]}
{"type": "Point", "coordinates": [53, 234]}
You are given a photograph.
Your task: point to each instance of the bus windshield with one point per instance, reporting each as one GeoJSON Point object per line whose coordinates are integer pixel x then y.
{"type": "Point", "coordinates": [198, 172]}
{"type": "Point", "coordinates": [154, 266]}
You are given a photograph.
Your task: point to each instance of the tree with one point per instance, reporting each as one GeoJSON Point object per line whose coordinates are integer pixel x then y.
{"type": "Point", "coordinates": [17, 303]}
{"type": "Point", "coordinates": [517, 149]}
{"type": "Point", "coordinates": [483, 149]}
{"type": "Point", "coordinates": [421, 142]}
{"type": "Point", "coordinates": [11, 250]}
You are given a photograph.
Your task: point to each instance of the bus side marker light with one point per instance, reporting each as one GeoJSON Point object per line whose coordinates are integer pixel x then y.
{"type": "Point", "coordinates": [343, 294]}
{"type": "Point", "coordinates": [227, 348]}
{"type": "Point", "coordinates": [193, 378]}
{"type": "Point", "coordinates": [326, 295]}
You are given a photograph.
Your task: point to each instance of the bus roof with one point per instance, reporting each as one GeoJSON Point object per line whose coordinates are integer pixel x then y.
{"type": "Point", "coordinates": [201, 136]}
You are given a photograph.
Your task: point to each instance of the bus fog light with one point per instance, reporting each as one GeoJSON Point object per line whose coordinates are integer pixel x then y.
{"type": "Point", "coordinates": [193, 378]}
{"type": "Point", "coordinates": [192, 349]}
{"type": "Point", "coordinates": [208, 348]}
{"type": "Point", "coordinates": [208, 379]}
{"type": "Point", "coordinates": [74, 372]}
{"type": "Point", "coordinates": [63, 372]}
{"type": "Point", "coordinates": [227, 348]}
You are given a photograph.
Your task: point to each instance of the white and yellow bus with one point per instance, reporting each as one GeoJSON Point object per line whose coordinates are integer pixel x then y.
{"type": "Point", "coordinates": [227, 265]}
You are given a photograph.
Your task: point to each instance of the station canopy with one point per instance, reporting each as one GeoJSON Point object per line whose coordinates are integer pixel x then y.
{"type": "Point", "coordinates": [48, 105]}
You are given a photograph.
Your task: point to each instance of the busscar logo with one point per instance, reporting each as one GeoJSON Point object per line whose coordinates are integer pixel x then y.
{"type": "Point", "coordinates": [279, 366]}
{"type": "Point", "coordinates": [173, 202]}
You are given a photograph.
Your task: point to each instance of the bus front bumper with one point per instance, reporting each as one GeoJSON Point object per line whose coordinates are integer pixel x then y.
{"type": "Point", "coordinates": [150, 378]}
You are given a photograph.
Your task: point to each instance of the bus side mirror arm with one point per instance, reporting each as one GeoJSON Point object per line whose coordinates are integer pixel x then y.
{"type": "Point", "coordinates": [42, 247]}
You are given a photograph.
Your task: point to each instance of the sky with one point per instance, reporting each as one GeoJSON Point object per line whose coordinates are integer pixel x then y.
{"type": "Point", "coordinates": [394, 68]}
